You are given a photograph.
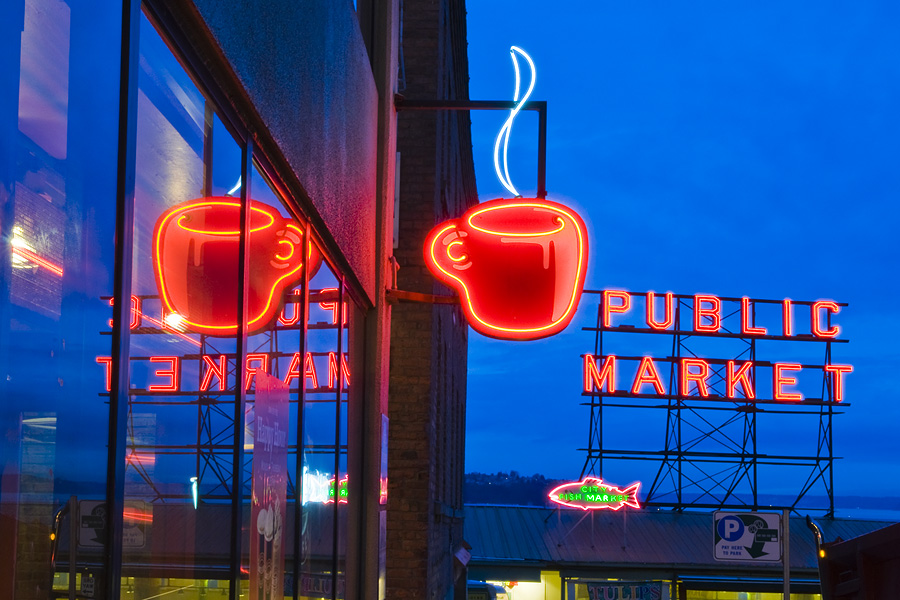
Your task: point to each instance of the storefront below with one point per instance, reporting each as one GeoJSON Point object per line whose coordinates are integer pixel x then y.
{"type": "Point", "coordinates": [547, 554]}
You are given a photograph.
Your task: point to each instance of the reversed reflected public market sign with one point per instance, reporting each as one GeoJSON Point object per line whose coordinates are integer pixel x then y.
{"type": "Point", "coordinates": [196, 254]}
{"type": "Point", "coordinates": [592, 493]}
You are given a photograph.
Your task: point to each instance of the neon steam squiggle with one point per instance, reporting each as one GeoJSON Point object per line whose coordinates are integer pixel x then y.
{"type": "Point", "coordinates": [503, 136]}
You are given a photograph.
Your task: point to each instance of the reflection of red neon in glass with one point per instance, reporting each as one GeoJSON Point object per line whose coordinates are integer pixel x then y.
{"type": "Point", "coordinates": [712, 313]}
{"type": "Point", "coordinates": [837, 379]}
{"type": "Point", "coordinates": [609, 307]}
{"type": "Point", "coordinates": [135, 312]}
{"type": "Point", "coordinates": [196, 265]}
{"type": "Point", "coordinates": [106, 360]}
{"type": "Point", "coordinates": [518, 265]}
{"type": "Point", "coordinates": [256, 207]}
{"type": "Point", "coordinates": [283, 318]}
{"type": "Point", "coordinates": [289, 251]}
{"type": "Point", "coordinates": [779, 380]}
{"type": "Point", "coordinates": [172, 373]}
{"type": "Point", "coordinates": [742, 376]}
{"type": "Point", "coordinates": [333, 307]}
{"type": "Point", "coordinates": [137, 515]}
{"type": "Point", "coordinates": [293, 369]}
{"type": "Point", "coordinates": [217, 366]}
{"type": "Point", "coordinates": [259, 360]}
{"type": "Point", "coordinates": [787, 317]}
{"type": "Point", "coordinates": [699, 377]}
{"type": "Point", "coordinates": [647, 373]}
{"type": "Point", "coordinates": [333, 370]}
{"type": "Point", "coordinates": [309, 372]}
{"type": "Point", "coordinates": [829, 307]}
{"type": "Point", "coordinates": [141, 458]}
{"type": "Point", "coordinates": [669, 312]}
{"type": "Point", "coordinates": [29, 255]}
{"type": "Point", "coordinates": [746, 328]}
{"type": "Point", "coordinates": [594, 379]}
{"type": "Point", "coordinates": [218, 370]}
{"type": "Point", "coordinates": [137, 316]}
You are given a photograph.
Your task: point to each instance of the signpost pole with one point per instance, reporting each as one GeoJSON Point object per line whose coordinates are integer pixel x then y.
{"type": "Point", "coordinates": [786, 555]}
{"type": "Point", "coordinates": [73, 543]}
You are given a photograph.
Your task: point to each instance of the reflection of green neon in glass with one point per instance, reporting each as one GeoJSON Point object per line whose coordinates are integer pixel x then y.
{"type": "Point", "coordinates": [342, 490]}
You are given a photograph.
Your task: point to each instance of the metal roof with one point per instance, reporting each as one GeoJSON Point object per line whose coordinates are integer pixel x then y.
{"type": "Point", "coordinates": [628, 540]}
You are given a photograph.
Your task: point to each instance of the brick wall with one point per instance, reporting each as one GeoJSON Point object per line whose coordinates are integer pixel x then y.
{"type": "Point", "coordinates": [428, 342]}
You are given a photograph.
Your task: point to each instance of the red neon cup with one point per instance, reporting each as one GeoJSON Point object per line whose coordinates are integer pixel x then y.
{"type": "Point", "coordinates": [518, 265]}
{"type": "Point", "coordinates": [196, 253]}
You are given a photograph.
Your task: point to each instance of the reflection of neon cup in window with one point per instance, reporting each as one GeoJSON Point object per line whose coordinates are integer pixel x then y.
{"type": "Point", "coordinates": [196, 254]}
{"type": "Point", "coordinates": [518, 265]}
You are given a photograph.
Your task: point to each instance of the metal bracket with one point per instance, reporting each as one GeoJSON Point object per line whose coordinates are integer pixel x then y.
{"type": "Point", "coordinates": [393, 296]}
{"type": "Point", "coordinates": [401, 103]}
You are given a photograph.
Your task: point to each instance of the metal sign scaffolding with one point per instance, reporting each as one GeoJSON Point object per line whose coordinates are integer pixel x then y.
{"type": "Point", "coordinates": [711, 456]}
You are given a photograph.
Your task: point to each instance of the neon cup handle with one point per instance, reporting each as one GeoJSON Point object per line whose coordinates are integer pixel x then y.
{"type": "Point", "coordinates": [449, 249]}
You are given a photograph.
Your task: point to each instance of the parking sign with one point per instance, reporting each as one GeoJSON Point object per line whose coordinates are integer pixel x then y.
{"type": "Point", "coordinates": [751, 536]}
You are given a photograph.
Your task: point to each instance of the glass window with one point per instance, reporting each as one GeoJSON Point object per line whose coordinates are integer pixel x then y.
{"type": "Point", "coordinates": [59, 67]}
{"type": "Point", "coordinates": [194, 389]}
{"type": "Point", "coordinates": [185, 361]}
{"type": "Point", "coordinates": [326, 486]}
{"type": "Point", "coordinates": [189, 372]}
{"type": "Point", "coordinates": [275, 350]}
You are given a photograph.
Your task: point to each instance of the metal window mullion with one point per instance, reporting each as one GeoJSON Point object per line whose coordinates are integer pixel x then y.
{"type": "Point", "coordinates": [337, 437]}
{"type": "Point", "coordinates": [122, 274]}
{"type": "Point", "coordinates": [301, 401]}
{"type": "Point", "coordinates": [240, 395]}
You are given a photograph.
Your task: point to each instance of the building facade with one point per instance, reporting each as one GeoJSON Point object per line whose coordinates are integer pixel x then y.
{"type": "Point", "coordinates": [197, 209]}
{"type": "Point", "coordinates": [569, 554]}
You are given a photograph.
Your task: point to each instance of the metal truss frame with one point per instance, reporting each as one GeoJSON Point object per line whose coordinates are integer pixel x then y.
{"type": "Point", "coordinates": [726, 476]}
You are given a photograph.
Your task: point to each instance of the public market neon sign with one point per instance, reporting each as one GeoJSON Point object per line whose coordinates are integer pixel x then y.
{"type": "Point", "coordinates": [592, 493]}
{"type": "Point", "coordinates": [600, 373]}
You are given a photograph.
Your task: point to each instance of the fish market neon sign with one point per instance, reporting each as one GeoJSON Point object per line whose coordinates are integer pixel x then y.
{"type": "Point", "coordinates": [592, 493]}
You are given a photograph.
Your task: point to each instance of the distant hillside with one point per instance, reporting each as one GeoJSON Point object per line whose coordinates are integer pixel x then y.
{"type": "Point", "coordinates": [507, 488]}
{"type": "Point", "coordinates": [513, 489]}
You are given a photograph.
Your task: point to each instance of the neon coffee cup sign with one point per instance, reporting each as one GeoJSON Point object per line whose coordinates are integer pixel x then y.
{"type": "Point", "coordinates": [518, 265]}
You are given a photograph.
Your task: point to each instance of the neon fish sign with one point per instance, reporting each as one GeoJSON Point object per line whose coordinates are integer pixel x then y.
{"type": "Point", "coordinates": [592, 493]}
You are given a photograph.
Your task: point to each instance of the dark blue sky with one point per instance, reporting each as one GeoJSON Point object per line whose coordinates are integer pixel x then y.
{"type": "Point", "coordinates": [712, 147]}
